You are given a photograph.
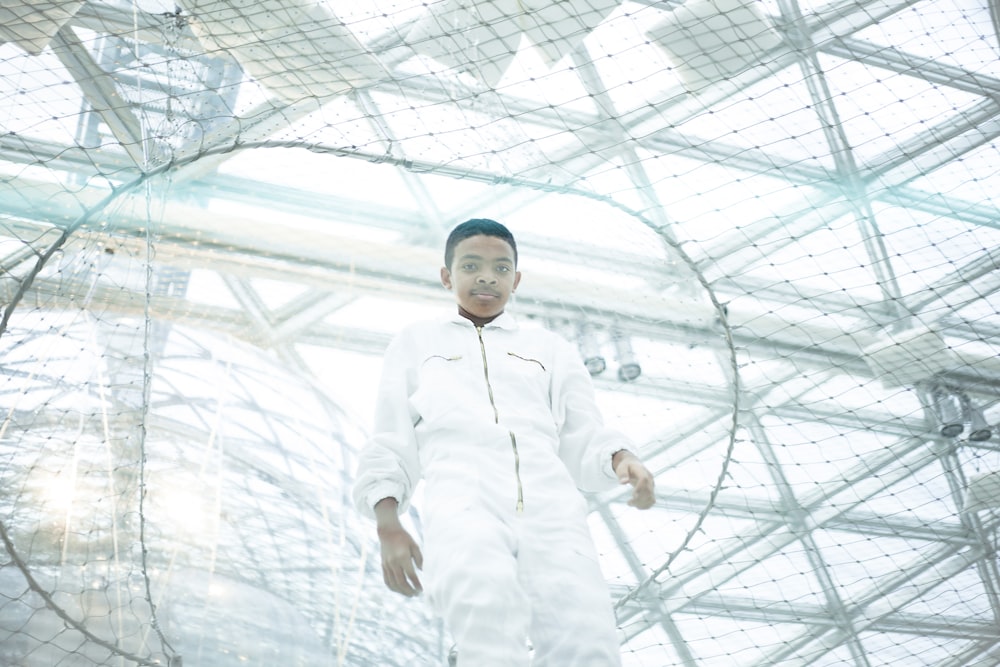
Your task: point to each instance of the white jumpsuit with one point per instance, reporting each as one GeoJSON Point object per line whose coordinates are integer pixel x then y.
{"type": "Point", "coordinates": [501, 423]}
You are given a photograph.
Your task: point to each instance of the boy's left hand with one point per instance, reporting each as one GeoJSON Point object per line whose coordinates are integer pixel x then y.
{"type": "Point", "coordinates": [630, 470]}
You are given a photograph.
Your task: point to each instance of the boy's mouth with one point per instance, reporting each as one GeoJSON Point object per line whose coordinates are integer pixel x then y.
{"type": "Point", "coordinates": [487, 293]}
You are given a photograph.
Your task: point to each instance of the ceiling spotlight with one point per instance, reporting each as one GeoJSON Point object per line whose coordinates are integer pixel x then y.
{"type": "Point", "coordinates": [979, 428]}
{"type": "Point", "coordinates": [949, 411]}
{"type": "Point", "coordinates": [628, 365]}
{"type": "Point", "coordinates": [590, 350]}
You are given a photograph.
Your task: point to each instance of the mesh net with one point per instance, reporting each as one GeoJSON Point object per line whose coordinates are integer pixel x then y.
{"type": "Point", "coordinates": [770, 228]}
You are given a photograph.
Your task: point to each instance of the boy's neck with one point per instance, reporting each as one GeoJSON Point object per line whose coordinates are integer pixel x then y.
{"type": "Point", "coordinates": [478, 321]}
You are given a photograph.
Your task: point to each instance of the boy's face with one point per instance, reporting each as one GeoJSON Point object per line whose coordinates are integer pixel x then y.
{"type": "Point", "coordinates": [482, 275]}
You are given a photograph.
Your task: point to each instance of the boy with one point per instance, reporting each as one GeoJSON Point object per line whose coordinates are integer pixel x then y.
{"type": "Point", "coordinates": [502, 425]}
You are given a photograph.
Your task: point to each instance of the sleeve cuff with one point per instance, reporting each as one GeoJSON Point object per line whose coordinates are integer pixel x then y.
{"type": "Point", "coordinates": [380, 491]}
{"type": "Point", "coordinates": [607, 455]}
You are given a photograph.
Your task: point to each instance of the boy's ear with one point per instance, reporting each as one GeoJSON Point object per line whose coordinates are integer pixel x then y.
{"type": "Point", "coordinates": [517, 280]}
{"type": "Point", "coordinates": [446, 277]}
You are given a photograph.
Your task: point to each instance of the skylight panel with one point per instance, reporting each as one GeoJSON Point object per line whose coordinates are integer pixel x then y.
{"type": "Point", "coordinates": [923, 495]}
{"type": "Point", "coordinates": [814, 453]}
{"type": "Point", "coordinates": [650, 647]}
{"type": "Point", "coordinates": [856, 561]}
{"type": "Point", "coordinates": [41, 98]}
{"type": "Point", "coordinates": [711, 201]}
{"type": "Point", "coordinates": [750, 479]}
{"type": "Point", "coordinates": [881, 110]}
{"type": "Point", "coordinates": [866, 398]}
{"type": "Point", "coordinates": [952, 32]}
{"type": "Point", "coordinates": [928, 250]}
{"type": "Point", "coordinates": [832, 258]}
{"type": "Point", "coordinates": [781, 580]}
{"type": "Point", "coordinates": [951, 599]}
{"type": "Point", "coordinates": [897, 648]}
{"type": "Point", "coordinates": [729, 640]}
{"type": "Point", "coordinates": [973, 177]}
{"type": "Point", "coordinates": [634, 72]}
{"type": "Point", "coordinates": [981, 310]}
{"type": "Point", "coordinates": [774, 116]}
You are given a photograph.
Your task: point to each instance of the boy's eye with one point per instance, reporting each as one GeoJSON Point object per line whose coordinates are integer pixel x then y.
{"type": "Point", "coordinates": [503, 269]}
{"type": "Point", "coordinates": [468, 267]}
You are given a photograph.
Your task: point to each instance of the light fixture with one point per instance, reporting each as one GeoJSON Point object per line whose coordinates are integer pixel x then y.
{"type": "Point", "coordinates": [32, 24]}
{"type": "Point", "coordinates": [953, 410]}
{"type": "Point", "coordinates": [294, 48]}
{"type": "Point", "coordinates": [557, 28]}
{"type": "Point", "coordinates": [979, 428]}
{"type": "Point", "coordinates": [590, 349]}
{"type": "Point", "coordinates": [948, 410]}
{"type": "Point", "coordinates": [628, 365]}
{"type": "Point", "coordinates": [483, 38]}
{"type": "Point", "coordinates": [479, 38]}
{"type": "Point", "coordinates": [711, 40]}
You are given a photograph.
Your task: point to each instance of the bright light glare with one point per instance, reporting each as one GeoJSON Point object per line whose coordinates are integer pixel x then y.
{"type": "Point", "coordinates": [59, 491]}
{"type": "Point", "coordinates": [188, 511]}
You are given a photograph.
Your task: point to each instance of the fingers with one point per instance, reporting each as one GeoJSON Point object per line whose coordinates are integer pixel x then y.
{"type": "Point", "coordinates": [402, 579]}
{"type": "Point", "coordinates": [636, 474]}
{"type": "Point", "coordinates": [391, 580]}
{"type": "Point", "coordinates": [643, 496]}
{"type": "Point", "coordinates": [412, 582]}
{"type": "Point", "coordinates": [399, 573]}
{"type": "Point", "coordinates": [399, 555]}
{"type": "Point", "coordinates": [625, 473]}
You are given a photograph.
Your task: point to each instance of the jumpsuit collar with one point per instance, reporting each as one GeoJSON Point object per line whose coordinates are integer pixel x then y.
{"type": "Point", "coordinates": [502, 321]}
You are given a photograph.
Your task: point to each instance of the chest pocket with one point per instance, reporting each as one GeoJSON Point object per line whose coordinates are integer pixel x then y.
{"type": "Point", "coordinates": [527, 360]}
{"type": "Point", "coordinates": [524, 374]}
{"type": "Point", "coordinates": [442, 379]}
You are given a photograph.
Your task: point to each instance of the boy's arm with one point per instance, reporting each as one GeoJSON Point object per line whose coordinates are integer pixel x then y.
{"type": "Point", "coordinates": [389, 466]}
{"type": "Point", "coordinates": [594, 454]}
{"type": "Point", "coordinates": [400, 552]}
{"type": "Point", "coordinates": [388, 470]}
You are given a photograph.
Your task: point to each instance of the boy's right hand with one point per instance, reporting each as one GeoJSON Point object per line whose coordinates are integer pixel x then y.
{"type": "Point", "coordinates": [399, 555]}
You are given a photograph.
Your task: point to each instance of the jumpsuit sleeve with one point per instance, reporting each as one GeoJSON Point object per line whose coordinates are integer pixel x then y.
{"type": "Point", "coordinates": [586, 445]}
{"type": "Point", "coordinates": [389, 465]}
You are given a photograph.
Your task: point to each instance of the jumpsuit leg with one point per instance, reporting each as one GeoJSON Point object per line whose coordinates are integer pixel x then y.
{"type": "Point", "coordinates": [572, 621]}
{"type": "Point", "coordinates": [471, 580]}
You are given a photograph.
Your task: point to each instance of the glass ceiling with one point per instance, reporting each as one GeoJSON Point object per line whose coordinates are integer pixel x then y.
{"type": "Point", "coordinates": [214, 216]}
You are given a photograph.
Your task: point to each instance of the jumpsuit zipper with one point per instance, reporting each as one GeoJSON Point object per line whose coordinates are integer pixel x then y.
{"type": "Point", "coordinates": [496, 420]}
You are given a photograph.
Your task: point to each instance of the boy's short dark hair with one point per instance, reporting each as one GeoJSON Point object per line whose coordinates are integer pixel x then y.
{"type": "Point", "coordinates": [475, 227]}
